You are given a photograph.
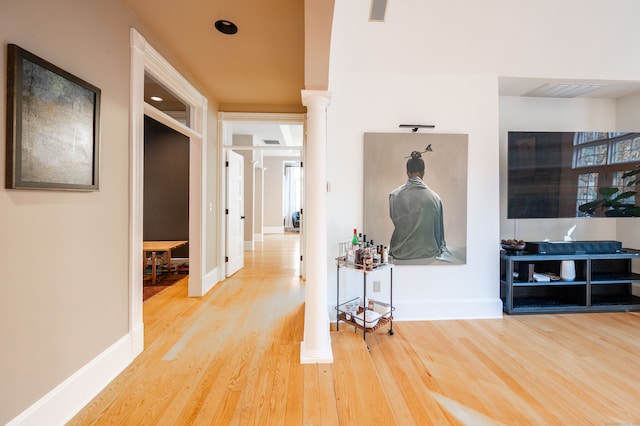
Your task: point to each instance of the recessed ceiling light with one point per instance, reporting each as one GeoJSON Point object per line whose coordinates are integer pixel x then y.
{"type": "Point", "coordinates": [226, 27]}
{"type": "Point", "coordinates": [156, 98]}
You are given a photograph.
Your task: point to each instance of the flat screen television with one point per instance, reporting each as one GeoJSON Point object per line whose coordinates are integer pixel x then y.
{"type": "Point", "coordinates": [551, 174]}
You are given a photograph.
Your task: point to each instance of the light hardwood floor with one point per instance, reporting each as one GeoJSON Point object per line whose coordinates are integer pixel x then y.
{"type": "Point", "coordinates": [232, 358]}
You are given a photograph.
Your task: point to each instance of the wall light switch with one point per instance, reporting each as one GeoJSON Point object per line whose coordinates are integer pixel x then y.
{"type": "Point", "coordinates": [376, 286]}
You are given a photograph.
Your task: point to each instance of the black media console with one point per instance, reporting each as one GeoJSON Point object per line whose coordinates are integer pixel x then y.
{"type": "Point", "coordinates": [603, 282]}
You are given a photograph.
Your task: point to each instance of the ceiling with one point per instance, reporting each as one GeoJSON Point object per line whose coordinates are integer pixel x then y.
{"type": "Point", "coordinates": [261, 68]}
{"type": "Point", "coordinates": [258, 69]}
{"type": "Point", "coordinates": [280, 140]}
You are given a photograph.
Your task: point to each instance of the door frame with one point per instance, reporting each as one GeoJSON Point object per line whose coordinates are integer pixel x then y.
{"type": "Point", "coordinates": [224, 136]}
{"type": "Point", "coordinates": [144, 58]}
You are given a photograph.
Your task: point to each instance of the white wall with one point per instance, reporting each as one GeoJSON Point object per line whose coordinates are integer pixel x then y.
{"type": "Point", "coordinates": [273, 198]}
{"type": "Point", "coordinates": [249, 188]}
{"type": "Point", "coordinates": [258, 220]}
{"type": "Point", "coordinates": [439, 63]}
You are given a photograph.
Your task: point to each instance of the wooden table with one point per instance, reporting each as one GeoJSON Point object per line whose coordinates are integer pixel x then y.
{"type": "Point", "coordinates": [158, 246]}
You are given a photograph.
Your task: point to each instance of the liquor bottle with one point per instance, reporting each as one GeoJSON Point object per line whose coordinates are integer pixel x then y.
{"type": "Point", "coordinates": [367, 259]}
{"type": "Point", "coordinates": [355, 252]}
{"type": "Point", "coordinates": [357, 257]}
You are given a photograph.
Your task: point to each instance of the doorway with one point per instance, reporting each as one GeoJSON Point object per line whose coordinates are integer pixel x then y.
{"type": "Point", "coordinates": [147, 62]}
{"type": "Point", "coordinates": [292, 196]}
{"type": "Point", "coordinates": [269, 144]}
{"type": "Point", "coordinates": [166, 204]}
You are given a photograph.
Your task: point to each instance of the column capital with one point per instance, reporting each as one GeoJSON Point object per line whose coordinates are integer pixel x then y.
{"type": "Point", "coordinates": [315, 98]}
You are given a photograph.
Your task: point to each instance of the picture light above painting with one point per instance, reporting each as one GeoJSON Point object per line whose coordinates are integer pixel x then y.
{"type": "Point", "coordinates": [572, 174]}
{"type": "Point", "coordinates": [52, 126]}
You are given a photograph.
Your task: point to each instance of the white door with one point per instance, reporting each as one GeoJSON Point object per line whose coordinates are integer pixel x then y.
{"type": "Point", "coordinates": [234, 213]}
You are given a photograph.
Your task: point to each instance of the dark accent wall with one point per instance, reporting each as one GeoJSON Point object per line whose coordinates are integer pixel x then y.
{"type": "Point", "coordinates": [166, 185]}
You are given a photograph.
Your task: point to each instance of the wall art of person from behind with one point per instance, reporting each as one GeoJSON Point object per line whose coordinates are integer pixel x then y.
{"type": "Point", "coordinates": [417, 215]}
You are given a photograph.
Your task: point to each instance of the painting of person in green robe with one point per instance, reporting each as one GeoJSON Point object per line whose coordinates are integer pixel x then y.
{"type": "Point", "coordinates": [417, 214]}
{"type": "Point", "coordinates": [415, 196]}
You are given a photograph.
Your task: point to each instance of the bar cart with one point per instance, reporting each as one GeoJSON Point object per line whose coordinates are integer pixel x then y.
{"type": "Point", "coordinates": [358, 317]}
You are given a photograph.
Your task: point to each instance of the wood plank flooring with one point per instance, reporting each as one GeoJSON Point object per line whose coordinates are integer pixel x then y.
{"type": "Point", "coordinates": [232, 358]}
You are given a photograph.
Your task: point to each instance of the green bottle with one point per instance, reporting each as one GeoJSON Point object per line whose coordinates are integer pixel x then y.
{"type": "Point", "coordinates": [354, 240]}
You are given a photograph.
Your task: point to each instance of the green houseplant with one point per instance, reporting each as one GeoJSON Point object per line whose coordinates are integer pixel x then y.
{"type": "Point", "coordinates": [612, 203]}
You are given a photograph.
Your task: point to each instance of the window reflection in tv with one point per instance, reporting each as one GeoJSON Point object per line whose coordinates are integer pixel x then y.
{"type": "Point", "coordinates": [551, 174]}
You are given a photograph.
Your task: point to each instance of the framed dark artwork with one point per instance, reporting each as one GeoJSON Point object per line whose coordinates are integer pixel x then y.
{"type": "Point", "coordinates": [52, 126]}
{"type": "Point", "coordinates": [427, 225]}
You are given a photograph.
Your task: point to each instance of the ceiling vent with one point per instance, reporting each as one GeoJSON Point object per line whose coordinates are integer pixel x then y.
{"type": "Point", "coordinates": [566, 90]}
{"type": "Point", "coordinates": [271, 141]}
{"type": "Point", "coordinates": [378, 8]}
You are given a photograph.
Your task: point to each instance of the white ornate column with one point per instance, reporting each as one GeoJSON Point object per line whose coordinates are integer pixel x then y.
{"type": "Point", "coordinates": [316, 346]}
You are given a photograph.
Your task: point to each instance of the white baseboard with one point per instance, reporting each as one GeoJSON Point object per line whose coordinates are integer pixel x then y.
{"type": "Point", "coordinates": [211, 279]}
{"type": "Point", "coordinates": [423, 310]}
{"type": "Point", "coordinates": [137, 341]}
{"type": "Point", "coordinates": [427, 310]}
{"type": "Point", "coordinates": [67, 399]}
{"type": "Point", "coordinates": [258, 237]}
